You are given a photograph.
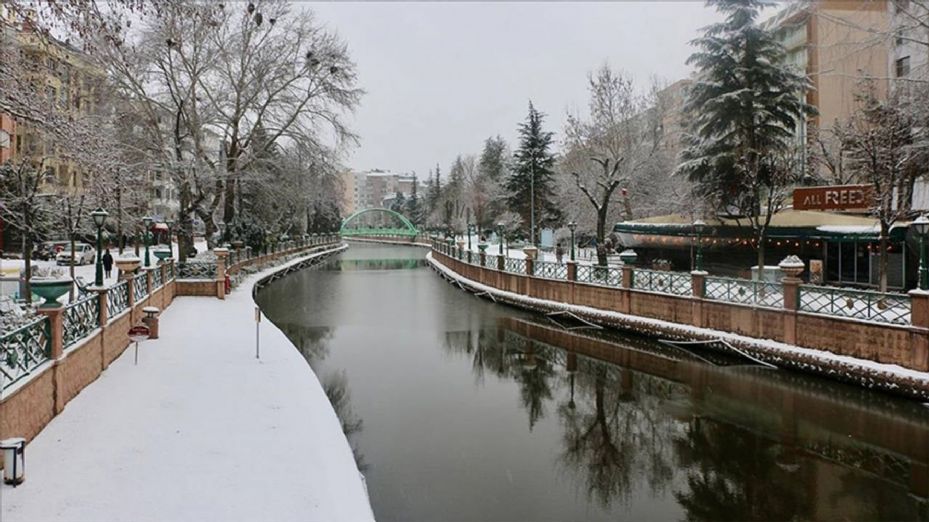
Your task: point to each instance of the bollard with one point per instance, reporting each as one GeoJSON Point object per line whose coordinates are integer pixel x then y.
{"type": "Point", "coordinates": [151, 320]}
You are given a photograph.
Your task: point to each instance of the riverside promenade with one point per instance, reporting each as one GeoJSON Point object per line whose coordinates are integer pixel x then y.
{"type": "Point", "coordinates": [199, 430]}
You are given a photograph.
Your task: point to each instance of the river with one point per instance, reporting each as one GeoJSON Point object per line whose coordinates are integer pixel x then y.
{"type": "Point", "coordinates": [459, 409]}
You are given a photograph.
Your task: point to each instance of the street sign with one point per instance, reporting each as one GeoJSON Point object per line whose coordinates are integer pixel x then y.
{"type": "Point", "coordinates": [139, 333]}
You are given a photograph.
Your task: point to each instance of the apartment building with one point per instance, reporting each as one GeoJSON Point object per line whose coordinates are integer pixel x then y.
{"type": "Point", "coordinates": [909, 54]}
{"type": "Point", "coordinates": [373, 189]}
{"type": "Point", "coordinates": [836, 43]}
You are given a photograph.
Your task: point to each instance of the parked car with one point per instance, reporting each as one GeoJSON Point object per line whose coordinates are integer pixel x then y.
{"type": "Point", "coordinates": [83, 255]}
{"type": "Point", "coordinates": [48, 250]}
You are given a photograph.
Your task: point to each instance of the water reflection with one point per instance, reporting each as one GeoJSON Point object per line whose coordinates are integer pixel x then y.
{"type": "Point", "coordinates": [466, 410]}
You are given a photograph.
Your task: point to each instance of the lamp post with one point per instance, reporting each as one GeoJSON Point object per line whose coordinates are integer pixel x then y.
{"type": "Point", "coordinates": [699, 227]}
{"type": "Point", "coordinates": [572, 225]}
{"type": "Point", "coordinates": [470, 231]}
{"type": "Point", "coordinates": [921, 227]}
{"type": "Point", "coordinates": [170, 224]}
{"type": "Point", "coordinates": [99, 217]}
{"type": "Point", "coordinates": [147, 224]}
{"type": "Point", "coordinates": [500, 228]}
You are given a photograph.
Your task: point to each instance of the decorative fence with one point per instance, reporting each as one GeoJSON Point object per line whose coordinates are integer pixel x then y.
{"type": "Point", "coordinates": [550, 270]}
{"type": "Point", "coordinates": [24, 349]}
{"type": "Point", "coordinates": [675, 283]}
{"type": "Point", "coordinates": [601, 275]}
{"type": "Point", "coordinates": [139, 286]}
{"type": "Point", "coordinates": [856, 304]}
{"type": "Point", "coordinates": [744, 291]}
{"type": "Point", "coordinates": [491, 260]}
{"type": "Point", "coordinates": [79, 319]}
{"type": "Point", "coordinates": [516, 266]}
{"type": "Point", "coordinates": [196, 270]}
{"type": "Point", "coordinates": [117, 298]}
{"type": "Point", "coordinates": [157, 280]}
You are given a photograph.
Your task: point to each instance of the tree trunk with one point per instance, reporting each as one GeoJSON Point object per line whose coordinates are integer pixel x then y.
{"type": "Point", "coordinates": [884, 243]}
{"type": "Point", "coordinates": [71, 271]}
{"type": "Point", "coordinates": [27, 257]}
{"type": "Point", "coordinates": [119, 218]}
{"type": "Point", "coordinates": [761, 239]}
{"type": "Point", "coordinates": [601, 235]}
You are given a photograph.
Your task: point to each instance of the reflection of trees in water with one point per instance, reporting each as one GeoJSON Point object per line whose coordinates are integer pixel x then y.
{"type": "Point", "coordinates": [335, 385]}
{"type": "Point", "coordinates": [377, 264]}
{"type": "Point", "coordinates": [734, 475]}
{"type": "Point", "coordinates": [615, 435]}
{"type": "Point", "coordinates": [313, 344]}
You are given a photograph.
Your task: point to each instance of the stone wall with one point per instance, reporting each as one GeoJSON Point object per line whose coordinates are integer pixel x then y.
{"type": "Point", "coordinates": [907, 346]}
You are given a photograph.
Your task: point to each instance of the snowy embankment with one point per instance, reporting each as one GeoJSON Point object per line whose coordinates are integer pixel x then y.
{"type": "Point", "coordinates": [199, 430]}
{"type": "Point", "coordinates": [887, 377]}
{"type": "Point", "coordinates": [388, 242]}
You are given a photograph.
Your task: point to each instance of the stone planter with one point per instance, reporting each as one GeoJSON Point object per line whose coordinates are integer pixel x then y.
{"type": "Point", "coordinates": [161, 254]}
{"type": "Point", "coordinates": [238, 244]}
{"type": "Point", "coordinates": [127, 266]}
{"type": "Point", "coordinates": [628, 256]}
{"type": "Point", "coordinates": [50, 290]}
{"type": "Point", "coordinates": [531, 252]}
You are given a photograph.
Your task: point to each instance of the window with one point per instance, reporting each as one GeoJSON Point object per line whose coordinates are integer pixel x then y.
{"type": "Point", "coordinates": [903, 67]}
{"type": "Point", "coordinates": [4, 139]}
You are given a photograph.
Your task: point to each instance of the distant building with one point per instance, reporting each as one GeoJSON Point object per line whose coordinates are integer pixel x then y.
{"type": "Point", "coordinates": [374, 189]}
{"type": "Point", "coordinates": [909, 53]}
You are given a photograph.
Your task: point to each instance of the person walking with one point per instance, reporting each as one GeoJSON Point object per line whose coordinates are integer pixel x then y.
{"type": "Point", "coordinates": [107, 263]}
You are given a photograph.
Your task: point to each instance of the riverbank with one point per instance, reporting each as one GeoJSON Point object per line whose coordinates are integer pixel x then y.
{"type": "Point", "coordinates": [886, 377]}
{"type": "Point", "coordinates": [198, 430]}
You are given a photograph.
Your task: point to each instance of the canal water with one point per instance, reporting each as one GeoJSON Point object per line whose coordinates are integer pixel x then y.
{"type": "Point", "coordinates": [459, 409]}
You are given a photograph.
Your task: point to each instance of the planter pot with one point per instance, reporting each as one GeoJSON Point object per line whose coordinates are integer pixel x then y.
{"type": "Point", "coordinates": [50, 290]}
{"type": "Point", "coordinates": [238, 244]}
{"type": "Point", "coordinates": [161, 254]}
{"type": "Point", "coordinates": [127, 265]}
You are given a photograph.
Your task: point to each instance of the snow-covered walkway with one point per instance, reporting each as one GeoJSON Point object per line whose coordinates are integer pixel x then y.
{"type": "Point", "coordinates": [199, 430]}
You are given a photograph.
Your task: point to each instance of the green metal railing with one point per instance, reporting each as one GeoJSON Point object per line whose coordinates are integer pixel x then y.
{"type": "Point", "coordinates": [550, 270]}
{"type": "Point", "coordinates": [856, 304]}
{"type": "Point", "coordinates": [744, 291]}
{"type": "Point", "coordinates": [674, 283]}
{"type": "Point", "coordinates": [79, 319]}
{"type": "Point", "coordinates": [516, 266]}
{"type": "Point", "coordinates": [24, 349]}
{"type": "Point", "coordinates": [600, 275]}
{"type": "Point", "coordinates": [117, 299]}
{"type": "Point", "coordinates": [157, 278]}
{"type": "Point", "coordinates": [139, 286]}
{"type": "Point", "coordinates": [170, 271]}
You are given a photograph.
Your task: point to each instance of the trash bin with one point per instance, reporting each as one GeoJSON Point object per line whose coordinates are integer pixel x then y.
{"type": "Point", "coordinates": [151, 320]}
{"type": "Point", "coordinates": [14, 460]}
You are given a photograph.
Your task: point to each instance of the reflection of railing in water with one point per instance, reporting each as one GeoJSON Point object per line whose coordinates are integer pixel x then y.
{"type": "Point", "coordinates": [379, 264]}
{"type": "Point", "coordinates": [882, 429]}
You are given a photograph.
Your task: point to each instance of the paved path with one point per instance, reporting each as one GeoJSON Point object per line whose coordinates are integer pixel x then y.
{"type": "Point", "coordinates": [200, 430]}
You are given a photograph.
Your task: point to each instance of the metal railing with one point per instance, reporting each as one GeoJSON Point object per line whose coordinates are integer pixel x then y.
{"type": "Point", "coordinates": [490, 260]}
{"type": "Point", "coordinates": [79, 319]}
{"type": "Point", "coordinates": [600, 275]}
{"type": "Point", "coordinates": [117, 298]}
{"type": "Point", "coordinates": [24, 349]}
{"type": "Point", "coordinates": [170, 271]}
{"type": "Point", "coordinates": [194, 270]}
{"type": "Point", "coordinates": [744, 291]}
{"type": "Point", "coordinates": [674, 283]}
{"type": "Point", "coordinates": [856, 304]}
{"type": "Point", "coordinates": [550, 270]}
{"type": "Point", "coordinates": [516, 266]}
{"type": "Point", "coordinates": [157, 278]}
{"type": "Point", "coordinates": [139, 286]}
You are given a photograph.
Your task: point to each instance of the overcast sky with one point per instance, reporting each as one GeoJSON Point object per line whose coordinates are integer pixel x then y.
{"type": "Point", "coordinates": [442, 77]}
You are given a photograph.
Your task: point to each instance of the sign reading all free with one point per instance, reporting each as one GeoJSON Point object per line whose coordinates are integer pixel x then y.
{"type": "Point", "coordinates": [838, 197]}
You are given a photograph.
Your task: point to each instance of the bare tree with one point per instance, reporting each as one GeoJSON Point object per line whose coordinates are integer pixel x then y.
{"type": "Point", "coordinates": [620, 137]}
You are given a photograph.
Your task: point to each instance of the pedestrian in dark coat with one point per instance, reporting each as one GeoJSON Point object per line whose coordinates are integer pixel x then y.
{"type": "Point", "coordinates": [107, 263]}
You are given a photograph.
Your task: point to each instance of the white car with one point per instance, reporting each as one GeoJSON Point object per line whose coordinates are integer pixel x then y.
{"type": "Point", "coordinates": [84, 254]}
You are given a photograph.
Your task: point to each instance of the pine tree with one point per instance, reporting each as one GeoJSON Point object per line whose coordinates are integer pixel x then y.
{"type": "Point", "coordinates": [743, 109]}
{"type": "Point", "coordinates": [533, 172]}
{"type": "Point", "coordinates": [413, 205]}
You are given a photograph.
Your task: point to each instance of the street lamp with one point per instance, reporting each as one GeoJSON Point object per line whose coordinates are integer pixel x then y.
{"type": "Point", "coordinates": [500, 228]}
{"type": "Point", "coordinates": [921, 227]}
{"type": "Point", "coordinates": [147, 224]}
{"type": "Point", "coordinates": [470, 231]}
{"type": "Point", "coordinates": [572, 225]}
{"type": "Point", "coordinates": [99, 217]}
{"type": "Point", "coordinates": [699, 227]}
{"type": "Point", "coordinates": [170, 224]}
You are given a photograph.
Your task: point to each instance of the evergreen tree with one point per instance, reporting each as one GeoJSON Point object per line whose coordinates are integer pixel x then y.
{"type": "Point", "coordinates": [413, 205]}
{"type": "Point", "coordinates": [743, 109]}
{"type": "Point", "coordinates": [533, 172]}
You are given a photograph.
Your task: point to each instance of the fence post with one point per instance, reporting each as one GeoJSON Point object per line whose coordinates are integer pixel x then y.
{"type": "Point", "coordinates": [104, 315]}
{"type": "Point", "coordinates": [55, 328]}
{"type": "Point", "coordinates": [130, 287]}
{"type": "Point", "coordinates": [572, 270]}
{"type": "Point", "coordinates": [501, 263]}
{"type": "Point", "coordinates": [149, 283]}
{"type": "Point", "coordinates": [698, 287]}
{"type": "Point", "coordinates": [919, 331]}
{"type": "Point", "coordinates": [221, 254]}
{"type": "Point", "coordinates": [627, 276]}
{"type": "Point", "coordinates": [483, 258]}
{"type": "Point", "coordinates": [792, 268]}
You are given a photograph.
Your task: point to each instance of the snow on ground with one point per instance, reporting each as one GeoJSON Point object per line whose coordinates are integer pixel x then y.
{"type": "Point", "coordinates": [199, 430]}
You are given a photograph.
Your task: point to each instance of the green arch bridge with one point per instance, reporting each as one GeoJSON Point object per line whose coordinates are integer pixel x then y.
{"type": "Point", "coordinates": [404, 228]}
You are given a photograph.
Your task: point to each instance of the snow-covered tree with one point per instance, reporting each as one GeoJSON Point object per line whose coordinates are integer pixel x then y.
{"type": "Point", "coordinates": [488, 199]}
{"type": "Point", "coordinates": [531, 178]}
{"type": "Point", "coordinates": [617, 141]}
{"type": "Point", "coordinates": [742, 111]}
